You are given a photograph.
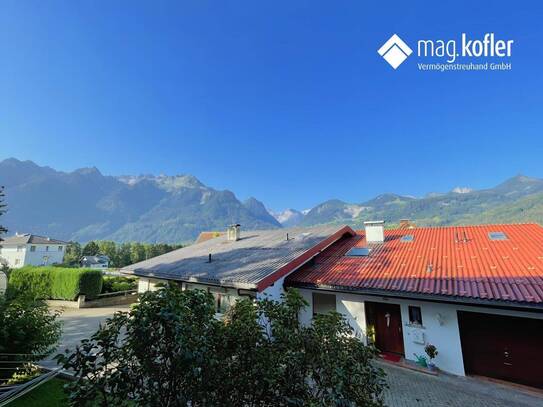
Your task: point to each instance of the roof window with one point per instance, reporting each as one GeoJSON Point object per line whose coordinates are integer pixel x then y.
{"type": "Point", "coordinates": [497, 236]}
{"type": "Point", "coordinates": [407, 238]}
{"type": "Point", "coordinates": [358, 252]}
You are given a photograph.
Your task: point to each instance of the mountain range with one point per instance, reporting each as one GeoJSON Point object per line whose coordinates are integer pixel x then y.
{"type": "Point", "coordinates": [85, 205]}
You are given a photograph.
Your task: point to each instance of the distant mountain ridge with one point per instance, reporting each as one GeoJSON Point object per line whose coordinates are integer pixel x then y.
{"type": "Point", "coordinates": [85, 204]}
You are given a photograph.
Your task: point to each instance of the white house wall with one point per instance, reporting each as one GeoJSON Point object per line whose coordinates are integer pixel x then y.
{"type": "Point", "coordinates": [36, 258]}
{"type": "Point", "coordinates": [440, 324]}
{"type": "Point", "coordinates": [273, 292]}
{"type": "Point", "coordinates": [149, 284]}
{"type": "Point", "coordinates": [21, 255]}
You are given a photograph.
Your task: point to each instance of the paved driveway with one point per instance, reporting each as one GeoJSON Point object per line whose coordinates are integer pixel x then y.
{"type": "Point", "coordinates": [410, 388]}
{"type": "Point", "coordinates": [79, 324]}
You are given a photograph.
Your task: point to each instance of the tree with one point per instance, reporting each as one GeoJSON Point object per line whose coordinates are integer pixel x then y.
{"type": "Point", "coordinates": [170, 350]}
{"type": "Point", "coordinates": [107, 248]}
{"type": "Point", "coordinates": [137, 252]}
{"type": "Point", "coordinates": [91, 249]}
{"type": "Point", "coordinates": [73, 254]}
{"type": "Point", "coordinates": [29, 331]}
{"type": "Point", "coordinates": [123, 255]}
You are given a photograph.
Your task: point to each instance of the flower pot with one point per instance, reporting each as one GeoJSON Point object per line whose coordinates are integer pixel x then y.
{"type": "Point", "coordinates": [431, 367]}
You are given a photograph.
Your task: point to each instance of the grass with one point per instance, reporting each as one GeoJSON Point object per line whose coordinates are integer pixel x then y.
{"type": "Point", "coordinates": [50, 394]}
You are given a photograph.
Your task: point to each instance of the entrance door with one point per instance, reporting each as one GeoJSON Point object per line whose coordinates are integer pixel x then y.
{"type": "Point", "coordinates": [507, 348]}
{"type": "Point", "coordinates": [387, 321]}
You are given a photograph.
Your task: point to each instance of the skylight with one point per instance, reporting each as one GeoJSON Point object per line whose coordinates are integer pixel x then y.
{"type": "Point", "coordinates": [497, 236]}
{"type": "Point", "coordinates": [407, 238]}
{"type": "Point", "coordinates": [358, 252]}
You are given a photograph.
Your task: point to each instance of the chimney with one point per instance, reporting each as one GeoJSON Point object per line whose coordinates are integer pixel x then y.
{"type": "Point", "coordinates": [232, 233]}
{"type": "Point", "coordinates": [404, 223]}
{"type": "Point", "coordinates": [375, 231]}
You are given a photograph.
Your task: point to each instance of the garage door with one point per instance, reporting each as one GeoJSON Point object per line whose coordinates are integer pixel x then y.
{"type": "Point", "coordinates": [506, 348]}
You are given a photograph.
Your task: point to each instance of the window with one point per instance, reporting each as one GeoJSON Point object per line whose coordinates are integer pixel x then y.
{"type": "Point", "coordinates": [358, 252]}
{"type": "Point", "coordinates": [497, 236]}
{"type": "Point", "coordinates": [46, 248]}
{"type": "Point", "coordinates": [407, 238]}
{"type": "Point", "coordinates": [17, 262]}
{"type": "Point", "coordinates": [415, 315]}
{"type": "Point", "coordinates": [32, 248]}
{"type": "Point", "coordinates": [223, 302]}
{"type": "Point", "coordinates": [323, 303]}
{"type": "Point", "coordinates": [60, 248]}
{"type": "Point", "coordinates": [20, 248]}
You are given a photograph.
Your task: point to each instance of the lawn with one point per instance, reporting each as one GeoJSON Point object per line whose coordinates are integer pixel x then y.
{"type": "Point", "coordinates": [50, 394]}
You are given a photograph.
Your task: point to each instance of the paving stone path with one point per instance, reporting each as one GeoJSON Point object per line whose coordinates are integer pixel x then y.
{"type": "Point", "coordinates": [410, 388]}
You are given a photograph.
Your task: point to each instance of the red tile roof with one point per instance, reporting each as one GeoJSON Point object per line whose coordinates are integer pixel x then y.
{"type": "Point", "coordinates": [459, 262]}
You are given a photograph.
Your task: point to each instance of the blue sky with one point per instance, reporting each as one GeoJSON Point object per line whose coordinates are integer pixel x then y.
{"type": "Point", "coordinates": [285, 101]}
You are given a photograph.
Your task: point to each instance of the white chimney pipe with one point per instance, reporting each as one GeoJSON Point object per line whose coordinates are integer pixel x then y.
{"type": "Point", "coordinates": [233, 233]}
{"type": "Point", "coordinates": [375, 231]}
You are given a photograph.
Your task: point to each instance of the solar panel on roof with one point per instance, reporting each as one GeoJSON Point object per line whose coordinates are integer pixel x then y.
{"type": "Point", "coordinates": [407, 238]}
{"type": "Point", "coordinates": [497, 236]}
{"type": "Point", "coordinates": [358, 252]}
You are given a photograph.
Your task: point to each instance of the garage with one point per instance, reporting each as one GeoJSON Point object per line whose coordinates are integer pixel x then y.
{"type": "Point", "coordinates": [502, 347]}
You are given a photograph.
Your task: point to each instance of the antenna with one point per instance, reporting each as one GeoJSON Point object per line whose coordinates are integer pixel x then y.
{"type": "Point", "coordinates": [465, 237]}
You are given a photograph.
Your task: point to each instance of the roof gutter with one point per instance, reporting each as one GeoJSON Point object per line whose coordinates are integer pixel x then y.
{"type": "Point", "coordinates": [525, 307]}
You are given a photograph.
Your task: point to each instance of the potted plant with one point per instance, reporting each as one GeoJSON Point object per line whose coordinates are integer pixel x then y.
{"type": "Point", "coordinates": [432, 352]}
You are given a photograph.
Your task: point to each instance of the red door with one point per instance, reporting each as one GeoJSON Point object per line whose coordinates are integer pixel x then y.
{"type": "Point", "coordinates": [507, 348]}
{"type": "Point", "coordinates": [388, 328]}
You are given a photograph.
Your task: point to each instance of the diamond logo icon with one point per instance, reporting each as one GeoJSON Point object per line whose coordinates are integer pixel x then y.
{"type": "Point", "coordinates": [395, 51]}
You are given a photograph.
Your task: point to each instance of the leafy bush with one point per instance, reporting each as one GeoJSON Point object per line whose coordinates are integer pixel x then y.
{"type": "Point", "coordinates": [170, 350]}
{"type": "Point", "coordinates": [56, 283]}
{"type": "Point", "coordinates": [29, 331]}
{"type": "Point", "coordinates": [115, 284]}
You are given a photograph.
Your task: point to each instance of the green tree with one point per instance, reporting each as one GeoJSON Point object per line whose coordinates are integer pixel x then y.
{"type": "Point", "coordinates": [108, 248]}
{"type": "Point", "coordinates": [170, 350]}
{"type": "Point", "coordinates": [123, 257]}
{"type": "Point", "coordinates": [137, 252]}
{"type": "Point", "coordinates": [28, 332]}
{"type": "Point", "coordinates": [90, 249]}
{"type": "Point", "coordinates": [73, 254]}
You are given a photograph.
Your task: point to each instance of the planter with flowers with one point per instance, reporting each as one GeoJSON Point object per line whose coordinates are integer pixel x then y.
{"type": "Point", "coordinates": [432, 352]}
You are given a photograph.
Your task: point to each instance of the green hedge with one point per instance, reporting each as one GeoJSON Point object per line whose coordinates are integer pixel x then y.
{"type": "Point", "coordinates": [117, 283]}
{"type": "Point", "coordinates": [56, 283]}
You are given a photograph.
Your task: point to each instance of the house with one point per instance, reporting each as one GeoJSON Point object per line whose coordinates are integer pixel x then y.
{"type": "Point", "coordinates": [475, 292]}
{"type": "Point", "coordinates": [251, 263]}
{"type": "Point", "coordinates": [27, 249]}
{"type": "Point", "coordinates": [99, 261]}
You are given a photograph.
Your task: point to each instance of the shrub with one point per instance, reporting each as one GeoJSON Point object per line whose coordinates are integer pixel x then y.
{"type": "Point", "coordinates": [115, 284]}
{"type": "Point", "coordinates": [170, 350]}
{"type": "Point", "coordinates": [56, 283]}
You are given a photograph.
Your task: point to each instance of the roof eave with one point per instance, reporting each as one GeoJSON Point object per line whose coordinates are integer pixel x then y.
{"type": "Point", "coordinates": [174, 277]}
{"type": "Point", "coordinates": [520, 306]}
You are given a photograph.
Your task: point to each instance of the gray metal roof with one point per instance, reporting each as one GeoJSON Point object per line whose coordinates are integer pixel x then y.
{"type": "Point", "coordinates": [240, 264]}
{"type": "Point", "coordinates": [28, 238]}
{"type": "Point", "coordinates": [100, 259]}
